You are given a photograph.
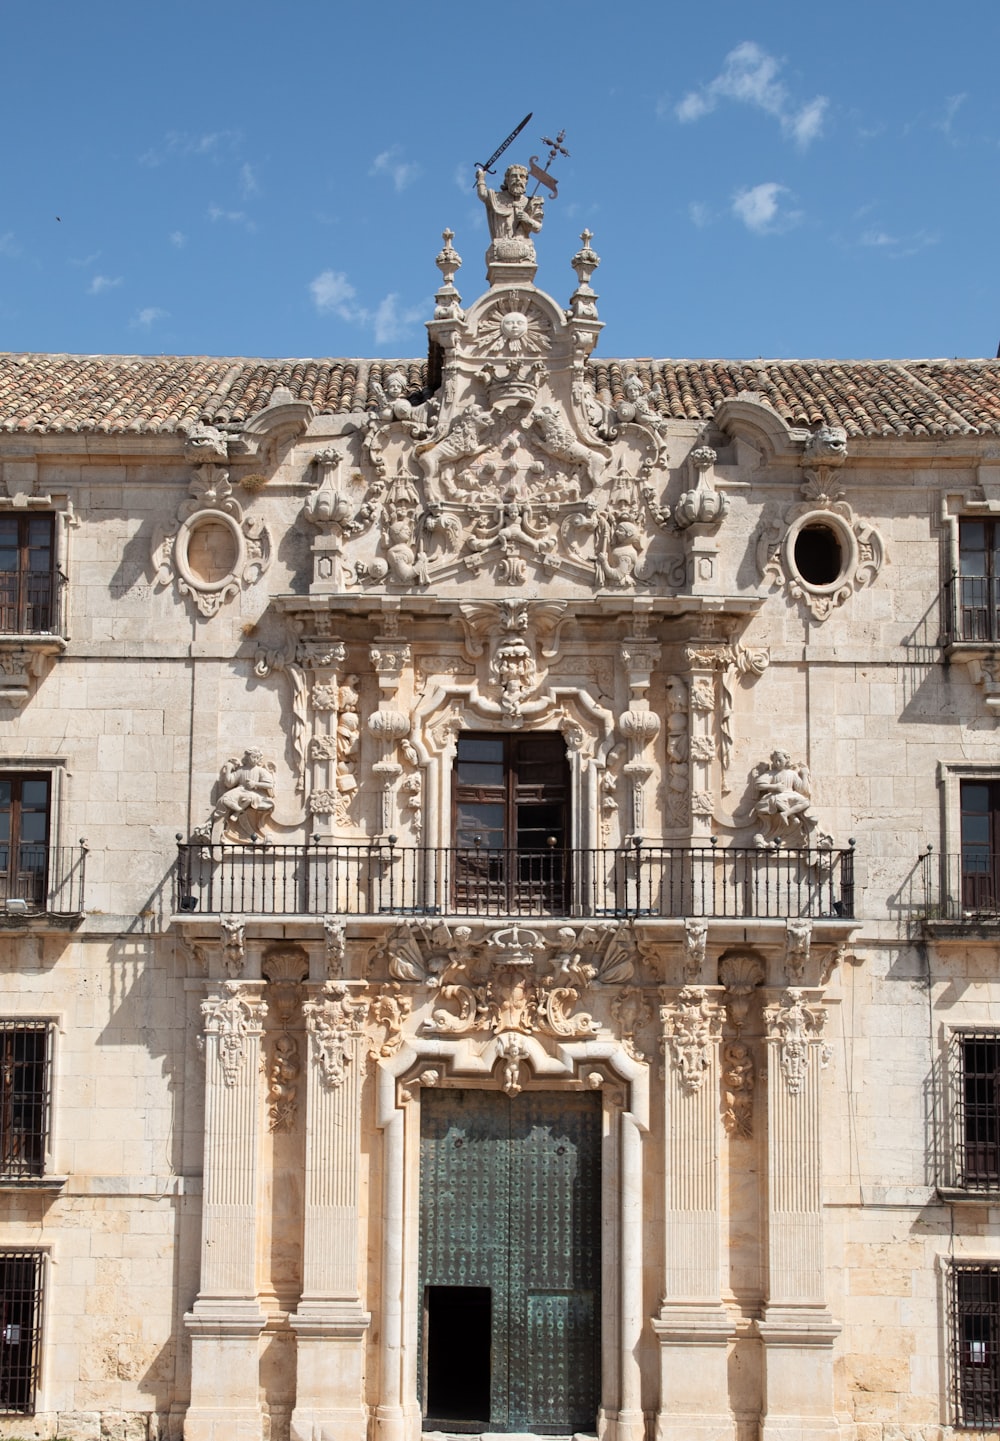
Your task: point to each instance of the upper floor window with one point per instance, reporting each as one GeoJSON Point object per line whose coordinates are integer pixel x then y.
{"type": "Point", "coordinates": [20, 1329]}
{"type": "Point", "coordinates": [24, 838]}
{"type": "Point", "coordinates": [511, 823]}
{"type": "Point", "coordinates": [25, 1097]}
{"type": "Point", "coordinates": [975, 1304]}
{"type": "Point", "coordinates": [980, 841]}
{"type": "Point", "coordinates": [975, 1108]}
{"type": "Point", "coordinates": [978, 597]}
{"type": "Point", "coordinates": [27, 574]}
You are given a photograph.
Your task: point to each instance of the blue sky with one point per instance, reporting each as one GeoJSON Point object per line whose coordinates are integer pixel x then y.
{"type": "Point", "coordinates": [775, 180]}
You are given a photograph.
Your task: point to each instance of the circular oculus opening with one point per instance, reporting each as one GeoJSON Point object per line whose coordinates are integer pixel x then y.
{"type": "Point", "coordinates": [818, 554]}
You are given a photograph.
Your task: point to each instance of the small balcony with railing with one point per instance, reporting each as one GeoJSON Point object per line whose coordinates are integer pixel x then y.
{"type": "Point", "coordinates": [961, 890]}
{"type": "Point", "coordinates": [42, 884]}
{"type": "Point", "coordinates": [382, 878]}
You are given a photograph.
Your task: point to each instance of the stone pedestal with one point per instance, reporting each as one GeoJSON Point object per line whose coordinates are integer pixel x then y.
{"type": "Point", "coordinates": [797, 1330]}
{"type": "Point", "coordinates": [226, 1321]}
{"type": "Point", "coordinates": [330, 1323]}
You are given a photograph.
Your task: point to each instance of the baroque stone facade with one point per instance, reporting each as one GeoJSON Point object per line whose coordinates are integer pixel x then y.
{"type": "Point", "coordinates": [516, 735]}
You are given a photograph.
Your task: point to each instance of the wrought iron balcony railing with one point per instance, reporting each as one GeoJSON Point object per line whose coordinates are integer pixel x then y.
{"type": "Point", "coordinates": [972, 609]}
{"type": "Point", "coordinates": [28, 602]}
{"type": "Point", "coordinates": [41, 880]}
{"type": "Point", "coordinates": [963, 888]}
{"type": "Point", "coordinates": [382, 878]}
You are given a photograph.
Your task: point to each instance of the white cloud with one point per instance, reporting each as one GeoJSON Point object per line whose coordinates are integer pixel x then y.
{"type": "Point", "coordinates": [248, 181]}
{"type": "Point", "coordinates": [9, 247]}
{"type": "Point", "coordinates": [899, 247]}
{"type": "Point", "coordinates": [178, 238]}
{"type": "Point", "coordinates": [749, 76]}
{"type": "Point", "coordinates": [951, 108]}
{"type": "Point", "coordinates": [100, 283]}
{"type": "Point", "coordinates": [390, 162]}
{"type": "Point", "coordinates": [699, 214]}
{"type": "Point", "coordinates": [177, 144]}
{"type": "Point", "coordinates": [332, 292]}
{"type": "Point", "coordinates": [234, 217]}
{"type": "Point", "coordinates": [760, 208]}
{"type": "Point", "coordinates": [391, 324]}
{"type": "Point", "coordinates": [145, 318]}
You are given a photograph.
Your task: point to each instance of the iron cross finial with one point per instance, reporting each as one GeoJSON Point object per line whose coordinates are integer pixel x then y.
{"type": "Point", "coordinates": [542, 177]}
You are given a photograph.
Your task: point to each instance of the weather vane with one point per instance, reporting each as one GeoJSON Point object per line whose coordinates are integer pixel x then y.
{"type": "Point", "coordinates": [542, 177]}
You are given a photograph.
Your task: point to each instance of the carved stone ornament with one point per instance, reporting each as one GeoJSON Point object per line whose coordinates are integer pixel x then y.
{"type": "Point", "coordinates": [233, 945]}
{"type": "Point", "coordinates": [213, 551]}
{"type": "Point", "coordinates": [703, 505]}
{"type": "Point", "coordinates": [334, 941]}
{"type": "Point", "coordinates": [782, 808]}
{"type": "Point", "coordinates": [513, 1052]}
{"type": "Point", "coordinates": [691, 1026]}
{"type": "Point", "coordinates": [741, 972]}
{"type": "Point", "coordinates": [798, 936]}
{"type": "Point", "coordinates": [232, 1018]}
{"type": "Point", "coordinates": [245, 800]}
{"type": "Point", "coordinates": [333, 1020]}
{"type": "Point", "coordinates": [283, 1082]}
{"type": "Point", "coordinates": [820, 552]}
{"type": "Point", "coordinates": [737, 1089]}
{"type": "Point", "coordinates": [794, 1027]}
{"type": "Point", "coordinates": [631, 1012]}
{"type": "Point", "coordinates": [508, 978]}
{"type": "Point", "coordinates": [695, 939]}
{"type": "Point", "coordinates": [389, 1012]}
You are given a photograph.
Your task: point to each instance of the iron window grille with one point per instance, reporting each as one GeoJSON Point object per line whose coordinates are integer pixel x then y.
{"type": "Point", "coordinates": [975, 1110]}
{"type": "Point", "coordinates": [20, 1330]}
{"type": "Point", "coordinates": [25, 1098]}
{"type": "Point", "coordinates": [975, 1330]}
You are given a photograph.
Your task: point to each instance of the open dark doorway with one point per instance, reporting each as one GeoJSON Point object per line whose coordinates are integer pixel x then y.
{"type": "Point", "coordinates": [459, 1322]}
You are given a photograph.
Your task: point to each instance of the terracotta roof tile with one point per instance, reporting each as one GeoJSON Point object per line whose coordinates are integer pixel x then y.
{"type": "Point", "coordinates": [129, 394]}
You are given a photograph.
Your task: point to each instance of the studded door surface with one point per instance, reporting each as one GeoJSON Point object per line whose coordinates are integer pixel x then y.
{"type": "Point", "coordinates": [510, 1201]}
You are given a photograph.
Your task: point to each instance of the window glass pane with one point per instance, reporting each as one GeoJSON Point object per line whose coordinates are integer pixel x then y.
{"type": "Point", "coordinates": [478, 773]}
{"type": "Point", "coordinates": [480, 748]}
{"type": "Point", "coordinates": [35, 793]}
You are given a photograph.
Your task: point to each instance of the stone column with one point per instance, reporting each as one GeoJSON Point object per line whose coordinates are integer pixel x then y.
{"type": "Point", "coordinates": [390, 656]}
{"type": "Point", "coordinates": [322, 661]}
{"type": "Point", "coordinates": [330, 1323]}
{"type": "Point", "coordinates": [639, 724]}
{"type": "Point", "coordinates": [702, 659]}
{"type": "Point", "coordinates": [692, 1326]}
{"type": "Point", "coordinates": [797, 1329]}
{"type": "Point", "coordinates": [226, 1320]}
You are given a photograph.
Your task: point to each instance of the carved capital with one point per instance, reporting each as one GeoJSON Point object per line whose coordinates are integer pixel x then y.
{"type": "Point", "coordinates": [691, 1027]}
{"type": "Point", "coordinates": [233, 1018]}
{"type": "Point", "coordinates": [794, 1030]}
{"type": "Point", "coordinates": [333, 1020]}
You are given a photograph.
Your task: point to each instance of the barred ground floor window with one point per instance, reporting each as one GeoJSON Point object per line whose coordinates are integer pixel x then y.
{"type": "Point", "coordinates": [975, 1299]}
{"type": "Point", "coordinates": [20, 1329]}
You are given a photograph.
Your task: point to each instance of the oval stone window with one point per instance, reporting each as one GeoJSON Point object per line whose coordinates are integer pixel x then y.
{"type": "Point", "coordinates": [819, 557]}
{"type": "Point", "coordinates": [212, 552]}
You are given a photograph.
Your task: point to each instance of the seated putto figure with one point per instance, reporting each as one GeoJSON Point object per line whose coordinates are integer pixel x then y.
{"type": "Point", "coordinates": [246, 800]}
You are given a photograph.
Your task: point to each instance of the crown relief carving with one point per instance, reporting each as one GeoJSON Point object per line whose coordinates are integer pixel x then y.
{"type": "Point", "coordinates": [213, 550]}
{"type": "Point", "coordinates": [512, 977]}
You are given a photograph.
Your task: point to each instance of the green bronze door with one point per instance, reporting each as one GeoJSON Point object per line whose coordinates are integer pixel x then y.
{"type": "Point", "coordinates": [510, 1260]}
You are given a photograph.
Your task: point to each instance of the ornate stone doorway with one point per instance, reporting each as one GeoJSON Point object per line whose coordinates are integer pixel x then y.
{"type": "Point", "coordinates": [510, 1260]}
